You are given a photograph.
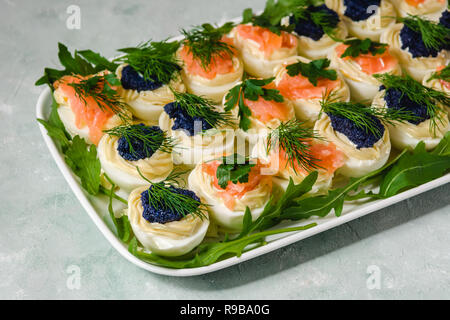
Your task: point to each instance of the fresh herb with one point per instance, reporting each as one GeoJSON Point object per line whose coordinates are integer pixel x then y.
{"type": "Point", "coordinates": [434, 35]}
{"type": "Point", "coordinates": [153, 60]}
{"type": "Point", "coordinates": [201, 107]}
{"type": "Point", "coordinates": [313, 70]}
{"type": "Point", "coordinates": [83, 63]}
{"type": "Point", "coordinates": [271, 17]}
{"type": "Point", "coordinates": [294, 139]}
{"type": "Point", "coordinates": [432, 99]}
{"type": "Point", "coordinates": [205, 43]}
{"type": "Point", "coordinates": [443, 74]}
{"type": "Point", "coordinates": [357, 47]}
{"type": "Point", "coordinates": [363, 116]}
{"type": "Point", "coordinates": [234, 168]}
{"type": "Point", "coordinates": [251, 89]}
{"type": "Point", "coordinates": [99, 88]}
{"type": "Point", "coordinates": [163, 196]}
{"type": "Point", "coordinates": [152, 139]}
{"type": "Point", "coordinates": [82, 159]}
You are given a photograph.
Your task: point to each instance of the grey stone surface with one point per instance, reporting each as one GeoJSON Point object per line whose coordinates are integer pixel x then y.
{"type": "Point", "coordinates": [44, 230]}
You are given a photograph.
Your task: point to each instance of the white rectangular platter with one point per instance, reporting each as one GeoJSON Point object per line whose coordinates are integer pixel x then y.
{"type": "Point", "coordinates": [96, 207]}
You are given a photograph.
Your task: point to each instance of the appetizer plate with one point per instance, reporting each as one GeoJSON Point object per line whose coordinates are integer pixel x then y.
{"type": "Point", "coordinates": [97, 206]}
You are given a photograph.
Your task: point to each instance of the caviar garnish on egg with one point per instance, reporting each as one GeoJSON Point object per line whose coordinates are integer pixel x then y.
{"type": "Point", "coordinates": [359, 10]}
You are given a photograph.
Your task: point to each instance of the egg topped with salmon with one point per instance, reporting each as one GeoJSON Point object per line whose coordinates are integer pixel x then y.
{"type": "Point", "coordinates": [439, 80]}
{"type": "Point", "coordinates": [364, 18]}
{"type": "Point", "coordinates": [87, 105]}
{"type": "Point", "coordinates": [314, 27]}
{"type": "Point", "coordinates": [305, 82]}
{"type": "Point", "coordinates": [420, 45]}
{"type": "Point", "coordinates": [358, 60]}
{"type": "Point", "coordinates": [429, 9]}
{"type": "Point", "coordinates": [211, 65]}
{"type": "Point", "coordinates": [230, 184]}
{"type": "Point", "coordinates": [149, 74]}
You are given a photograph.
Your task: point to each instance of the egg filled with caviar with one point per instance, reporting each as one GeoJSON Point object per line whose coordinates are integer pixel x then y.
{"type": "Point", "coordinates": [293, 151]}
{"type": "Point", "coordinates": [358, 133]}
{"type": "Point", "coordinates": [358, 61]}
{"type": "Point", "coordinates": [420, 45]}
{"type": "Point", "coordinates": [305, 82]}
{"type": "Point", "coordinates": [314, 25]}
{"type": "Point", "coordinates": [210, 63]}
{"type": "Point", "coordinates": [229, 185]}
{"type": "Point", "coordinates": [429, 9]}
{"type": "Point", "coordinates": [199, 128]}
{"type": "Point", "coordinates": [364, 18]}
{"type": "Point", "coordinates": [87, 105]}
{"type": "Point", "coordinates": [149, 74]}
{"type": "Point", "coordinates": [258, 105]}
{"type": "Point", "coordinates": [123, 149]}
{"type": "Point", "coordinates": [439, 80]}
{"type": "Point", "coordinates": [429, 121]}
{"type": "Point", "coordinates": [167, 220]}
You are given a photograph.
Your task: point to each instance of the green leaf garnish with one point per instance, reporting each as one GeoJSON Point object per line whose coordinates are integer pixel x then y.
{"type": "Point", "coordinates": [82, 159]}
{"type": "Point", "coordinates": [294, 139]}
{"type": "Point", "coordinates": [197, 106]}
{"type": "Point", "coordinates": [434, 35]}
{"type": "Point", "coordinates": [430, 98]}
{"type": "Point", "coordinates": [251, 89]}
{"type": "Point", "coordinates": [357, 47]}
{"type": "Point", "coordinates": [313, 70]}
{"type": "Point", "coordinates": [204, 42]}
{"type": "Point", "coordinates": [152, 139]}
{"type": "Point", "coordinates": [153, 60]}
{"type": "Point", "coordinates": [234, 168]}
{"type": "Point", "coordinates": [82, 63]}
{"type": "Point", "coordinates": [443, 74]}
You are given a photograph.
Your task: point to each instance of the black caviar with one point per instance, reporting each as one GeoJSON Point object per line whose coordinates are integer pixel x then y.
{"type": "Point", "coordinates": [306, 27]}
{"type": "Point", "coordinates": [183, 120]}
{"type": "Point", "coordinates": [139, 149]}
{"type": "Point", "coordinates": [163, 215]}
{"type": "Point", "coordinates": [397, 100]}
{"type": "Point", "coordinates": [412, 41]}
{"type": "Point", "coordinates": [445, 21]}
{"type": "Point", "coordinates": [131, 79]}
{"type": "Point", "coordinates": [360, 137]}
{"type": "Point", "coordinates": [357, 10]}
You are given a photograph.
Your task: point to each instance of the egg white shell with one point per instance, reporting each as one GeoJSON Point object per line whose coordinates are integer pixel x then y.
{"type": "Point", "coordinates": [360, 90]}
{"type": "Point", "coordinates": [145, 110]}
{"type": "Point", "coordinates": [68, 119]}
{"type": "Point", "coordinates": [401, 139]}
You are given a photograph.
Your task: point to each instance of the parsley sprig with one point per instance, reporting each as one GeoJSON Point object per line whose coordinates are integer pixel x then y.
{"type": "Point", "coordinates": [313, 70]}
{"type": "Point", "coordinates": [152, 139]}
{"type": "Point", "coordinates": [155, 61]}
{"type": "Point", "coordinates": [234, 168]}
{"type": "Point", "coordinates": [99, 87]}
{"type": "Point", "coordinates": [163, 196]}
{"type": "Point", "coordinates": [251, 89]}
{"type": "Point", "coordinates": [295, 140]}
{"type": "Point", "coordinates": [434, 35]}
{"type": "Point", "coordinates": [358, 46]}
{"type": "Point", "coordinates": [432, 99]}
{"type": "Point", "coordinates": [204, 42]}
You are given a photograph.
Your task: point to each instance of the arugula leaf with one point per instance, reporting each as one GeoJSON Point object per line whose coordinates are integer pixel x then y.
{"type": "Point", "coordinates": [251, 89]}
{"type": "Point", "coordinates": [414, 169]}
{"type": "Point", "coordinates": [357, 47]}
{"type": "Point", "coordinates": [82, 159]}
{"type": "Point", "coordinates": [234, 168]}
{"type": "Point", "coordinates": [313, 70]}
{"type": "Point", "coordinates": [208, 253]}
{"type": "Point", "coordinates": [443, 148]}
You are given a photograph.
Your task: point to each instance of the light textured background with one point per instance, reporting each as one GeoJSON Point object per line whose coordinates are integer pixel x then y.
{"type": "Point", "coordinates": [44, 230]}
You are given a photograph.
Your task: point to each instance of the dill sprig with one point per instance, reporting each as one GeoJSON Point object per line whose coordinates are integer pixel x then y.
{"type": "Point", "coordinates": [358, 46]}
{"type": "Point", "coordinates": [443, 74]}
{"type": "Point", "coordinates": [434, 35]}
{"type": "Point", "coordinates": [155, 61]}
{"type": "Point", "coordinates": [99, 88]}
{"type": "Point", "coordinates": [152, 139]}
{"type": "Point", "coordinates": [204, 42]}
{"type": "Point", "coordinates": [294, 138]}
{"type": "Point", "coordinates": [163, 196]}
{"type": "Point", "coordinates": [364, 116]}
{"type": "Point", "coordinates": [198, 106]}
{"type": "Point", "coordinates": [432, 99]}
